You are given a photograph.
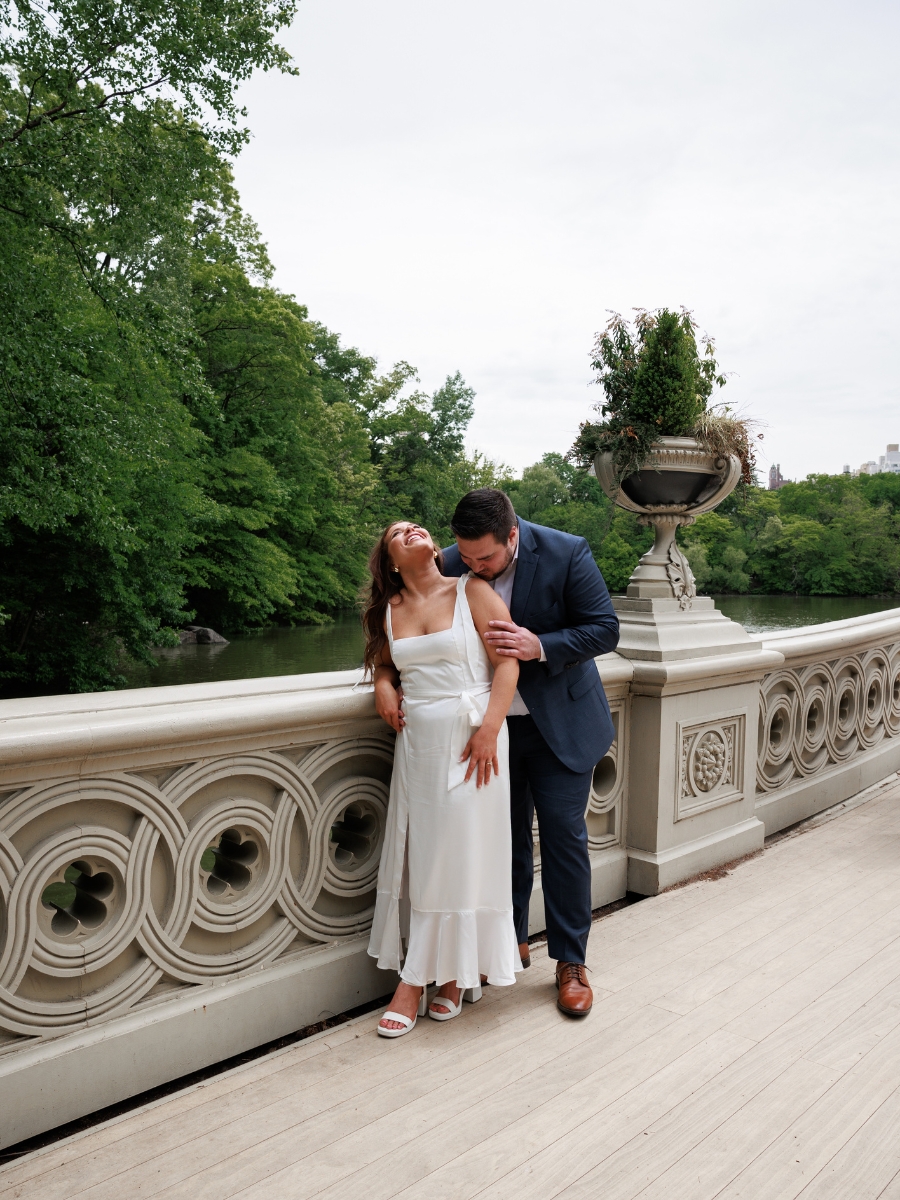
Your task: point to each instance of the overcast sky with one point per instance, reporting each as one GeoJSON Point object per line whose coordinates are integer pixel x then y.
{"type": "Point", "coordinates": [473, 185]}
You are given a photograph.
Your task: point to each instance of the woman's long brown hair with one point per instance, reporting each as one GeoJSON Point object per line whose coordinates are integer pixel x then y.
{"type": "Point", "coordinates": [385, 584]}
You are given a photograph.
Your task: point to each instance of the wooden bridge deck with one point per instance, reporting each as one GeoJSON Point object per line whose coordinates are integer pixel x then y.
{"type": "Point", "coordinates": [745, 1042]}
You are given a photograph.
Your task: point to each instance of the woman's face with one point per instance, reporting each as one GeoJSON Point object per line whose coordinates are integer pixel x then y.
{"type": "Point", "coordinates": [408, 544]}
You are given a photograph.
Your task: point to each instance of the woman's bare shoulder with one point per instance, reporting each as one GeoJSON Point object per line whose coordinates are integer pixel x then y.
{"type": "Point", "coordinates": [482, 596]}
{"type": "Point", "coordinates": [478, 587]}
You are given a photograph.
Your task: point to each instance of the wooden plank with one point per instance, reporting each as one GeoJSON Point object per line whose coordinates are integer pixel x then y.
{"type": "Point", "coordinates": [241, 1079]}
{"type": "Point", "coordinates": [795, 1158]}
{"type": "Point", "coordinates": [865, 1166]}
{"type": "Point", "coordinates": [861, 1032]}
{"type": "Point", "coordinates": [796, 1035]}
{"type": "Point", "coordinates": [405, 1177]}
{"type": "Point", "coordinates": [691, 980]}
{"type": "Point", "coordinates": [200, 1139]}
{"type": "Point", "coordinates": [639, 1161]}
{"type": "Point", "coordinates": [703, 1165]}
{"type": "Point", "coordinates": [892, 1191]}
{"type": "Point", "coordinates": [356, 1050]}
{"type": "Point", "coordinates": [578, 1153]}
{"type": "Point", "coordinates": [630, 960]}
{"type": "Point", "coordinates": [404, 1115]}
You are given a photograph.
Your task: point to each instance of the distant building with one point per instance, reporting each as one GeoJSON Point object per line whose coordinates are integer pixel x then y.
{"type": "Point", "coordinates": [889, 461]}
{"type": "Point", "coordinates": [776, 479]}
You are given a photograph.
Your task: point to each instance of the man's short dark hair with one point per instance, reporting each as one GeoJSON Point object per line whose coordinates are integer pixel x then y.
{"type": "Point", "coordinates": [486, 510]}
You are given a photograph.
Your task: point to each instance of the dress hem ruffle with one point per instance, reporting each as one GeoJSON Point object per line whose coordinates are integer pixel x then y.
{"type": "Point", "coordinates": [447, 945]}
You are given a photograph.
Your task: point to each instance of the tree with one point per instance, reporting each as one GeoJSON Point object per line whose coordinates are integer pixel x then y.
{"type": "Point", "coordinates": [419, 449]}
{"type": "Point", "coordinates": [828, 535]}
{"type": "Point", "coordinates": [113, 124]}
{"type": "Point", "coordinates": [287, 471]}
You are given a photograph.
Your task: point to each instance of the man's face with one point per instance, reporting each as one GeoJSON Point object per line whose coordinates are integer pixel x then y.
{"type": "Point", "coordinates": [487, 557]}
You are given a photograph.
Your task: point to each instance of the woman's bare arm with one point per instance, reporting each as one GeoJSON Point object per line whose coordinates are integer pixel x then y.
{"type": "Point", "coordinates": [388, 696]}
{"type": "Point", "coordinates": [481, 750]}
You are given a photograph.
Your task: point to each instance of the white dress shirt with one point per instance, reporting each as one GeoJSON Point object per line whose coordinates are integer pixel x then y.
{"type": "Point", "coordinates": [503, 586]}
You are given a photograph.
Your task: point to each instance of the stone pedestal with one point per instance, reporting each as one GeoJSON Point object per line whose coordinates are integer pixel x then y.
{"type": "Point", "coordinates": [694, 719]}
{"type": "Point", "coordinates": [662, 630]}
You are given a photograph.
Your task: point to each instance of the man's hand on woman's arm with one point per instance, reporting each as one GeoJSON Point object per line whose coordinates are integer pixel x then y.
{"type": "Point", "coordinates": [513, 641]}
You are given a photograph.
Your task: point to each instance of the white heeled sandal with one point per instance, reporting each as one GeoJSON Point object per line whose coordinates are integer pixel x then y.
{"type": "Point", "coordinates": [407, 1022]}
{"type": "Point", "coordinates": [469, 994]}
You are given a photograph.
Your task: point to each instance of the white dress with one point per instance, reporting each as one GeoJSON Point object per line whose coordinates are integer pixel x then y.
{"type": "Point", "coordinates": [445, 873]}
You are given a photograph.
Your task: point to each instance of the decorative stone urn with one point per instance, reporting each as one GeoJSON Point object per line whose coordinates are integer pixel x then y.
{"type": "Point", "coordinates": [680, 481]}
{"type": "Point", "coordinates": [661, 616]}
{"type": "Point", "coordinates": [694, 681]}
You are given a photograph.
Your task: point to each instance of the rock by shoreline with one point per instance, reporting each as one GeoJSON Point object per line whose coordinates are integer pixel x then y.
{"type": "Point", "coordinates": [201, 635]}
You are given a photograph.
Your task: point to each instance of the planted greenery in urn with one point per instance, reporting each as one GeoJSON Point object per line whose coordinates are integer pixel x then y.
{"type": "Point", "coordinates": [660, 449]}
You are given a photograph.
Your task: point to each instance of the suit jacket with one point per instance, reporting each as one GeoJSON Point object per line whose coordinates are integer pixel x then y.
{"type": "Point", "coordinates": [559, 594]}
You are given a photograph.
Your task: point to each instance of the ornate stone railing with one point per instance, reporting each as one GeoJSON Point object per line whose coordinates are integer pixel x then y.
{"type": "Point", "coordinates": [189, 872]}
{"type": "Point", "coordinates": [829, 718]}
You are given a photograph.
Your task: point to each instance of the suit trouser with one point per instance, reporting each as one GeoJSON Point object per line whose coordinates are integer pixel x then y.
{"type": "Point", "coordinates": [540, 782]}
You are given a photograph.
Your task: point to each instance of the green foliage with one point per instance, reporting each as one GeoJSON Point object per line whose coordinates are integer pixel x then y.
{"type": "Point", "coordinates": [286, 471]}
{"type": "Point", "coordinates": [655, 381]}
{"type": "Point", "coordinates": [418, 448]}
{"type": "Point", "coordinates": [87, 64]}
{"type": "Point", "coordinates": [829, 535]}
{"type": "Point", "coordinates": [97, 490]}
{"type": "Point", "coordinates": [179, 439]}
{"type": "Point", "coordinates": [112, 123]}
{"type": "Point", "coordinates": [666, 391]}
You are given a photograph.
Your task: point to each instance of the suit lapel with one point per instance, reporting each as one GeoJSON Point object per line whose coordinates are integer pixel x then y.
{"type": "Point", "coordinates": [526, 566]}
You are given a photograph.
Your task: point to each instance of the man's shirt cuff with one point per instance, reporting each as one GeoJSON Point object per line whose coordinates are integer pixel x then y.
{"type": "Point", "coordinates": [543, 651]}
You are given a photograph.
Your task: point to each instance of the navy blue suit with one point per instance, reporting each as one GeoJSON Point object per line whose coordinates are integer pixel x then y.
{"type": "Point", "coordinates": [558, 594]}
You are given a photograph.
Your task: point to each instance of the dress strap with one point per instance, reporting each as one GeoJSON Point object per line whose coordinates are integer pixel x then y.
{"type": "Point", "coordinates": [389, 626]}
{"type": "Point", "coordinates": [468, 641]}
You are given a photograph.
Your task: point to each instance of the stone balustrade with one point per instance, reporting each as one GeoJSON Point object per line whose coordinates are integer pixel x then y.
{"type": "Point", "coordinates": [829, 721]}
{"type": "Point", "coordinates": [189, 872]}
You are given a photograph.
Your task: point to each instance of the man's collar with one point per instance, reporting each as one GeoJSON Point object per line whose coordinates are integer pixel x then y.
{"type": "Point", "coordinates": [525, 539]}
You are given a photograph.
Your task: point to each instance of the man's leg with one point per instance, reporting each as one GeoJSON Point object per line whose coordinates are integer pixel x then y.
{"type": "Point", "coordinates": [560, 797]}
{"type": "Point", "coordinates": [521, 731]}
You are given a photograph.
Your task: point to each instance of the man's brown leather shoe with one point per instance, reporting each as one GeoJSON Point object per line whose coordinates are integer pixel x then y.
{"type": "Point", "coordinates": [575, 996]}
{"type": "Point", "coordinates": [525, 954]}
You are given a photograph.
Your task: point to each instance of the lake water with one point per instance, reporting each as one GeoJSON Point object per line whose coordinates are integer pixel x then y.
{"type": "Point", "coordinates": [297, 651]}
{"type": "Point", "coordinates": [765, 614]}
{"type": "Point", "coordinates": [338, 647]}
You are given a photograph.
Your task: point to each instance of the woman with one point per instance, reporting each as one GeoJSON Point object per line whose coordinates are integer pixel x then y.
{"type": "Point", "coordinates": [444, 881]}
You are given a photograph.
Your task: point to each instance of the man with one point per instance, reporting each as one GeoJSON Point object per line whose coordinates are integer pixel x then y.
{"type": "Point", "coordinates": [559, 723]}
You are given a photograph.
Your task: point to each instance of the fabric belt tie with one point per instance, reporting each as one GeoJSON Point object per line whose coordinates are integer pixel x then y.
{"type": "Point", "coordinates": [471, 707]}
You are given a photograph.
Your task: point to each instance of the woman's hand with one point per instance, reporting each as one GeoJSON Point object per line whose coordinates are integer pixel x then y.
{"type": "Point", "coordinates": [388, 700]}
{"type": "Point", "coordinates": [481, 751]}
